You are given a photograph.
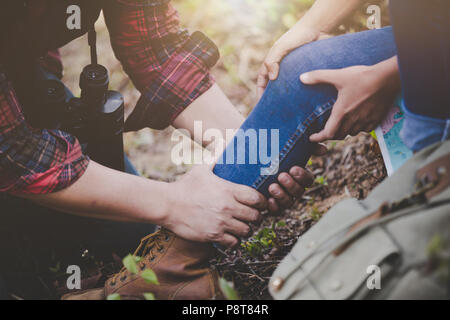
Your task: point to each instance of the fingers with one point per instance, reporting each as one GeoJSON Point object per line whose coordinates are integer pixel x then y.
{"type": "Point", "coordinates": [320, 149]}
{"type": "Point", "coordinates": [263, 79]}
{"type": "Point", "coordinates": [302, 176]}
{"type": "Point", "coordinates": [270, 69]}
{"type": "Point", "coordinates": [320, 76]}
{"type": "Point", "coordinates": [272, 61]}
{"type": "Point", "coordinates": [292, 187]}
{"type": "Point", "coordinates": [273, 205]}
{"type": "Point", "coordinates": [238, 228]}
{"type": "Point", "coordinates": [331, 127]}
{"type": "Point", "coordinates": [228, 241]}
{"type": "Point", "coordinates": [246, 214]}
{"type": "Point", "coordinates": [274, 70]}
{"type": "Point", "coordinates": [280, 195]}
{"type": "Point", "coordinates": [249, 197]}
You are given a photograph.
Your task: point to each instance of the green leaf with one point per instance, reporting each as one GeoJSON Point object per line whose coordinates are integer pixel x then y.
{"type": "Point", "coordinates": [321, 180]}
{"type": "Point", "coordinates": [228, 289]}
{"type": "Point", "coordinates": [374, 135]}
{"type": "Point", "coordinates": [281, 224]}
{"type": "Point", "coordinates": [150, 276]}
{"type": "Point", "coordinates": [56, 268]}
{"type": "Point", "coordinates": [129, 262]}
{"type": "Point", "coordinates": [149, 296]}
{"type": "Point", "coordinates": [114, 296]}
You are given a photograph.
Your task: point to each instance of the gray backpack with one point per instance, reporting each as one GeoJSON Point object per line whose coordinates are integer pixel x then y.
{"type": "Point", "coordinates": [393, 245]}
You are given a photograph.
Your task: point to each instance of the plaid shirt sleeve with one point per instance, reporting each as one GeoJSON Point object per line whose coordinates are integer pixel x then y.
{"type": "Point", "coordinates": [34, 161]}
{"type": "Point", "coordinates": [167, 65]}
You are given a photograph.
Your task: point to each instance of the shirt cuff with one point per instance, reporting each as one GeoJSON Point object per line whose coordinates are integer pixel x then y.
{"type": "Point", "coordinates": [66, 169]}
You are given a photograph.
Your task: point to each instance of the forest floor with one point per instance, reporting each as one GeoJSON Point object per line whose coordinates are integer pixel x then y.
{"type": "Point", "coordinates": [351, 168]}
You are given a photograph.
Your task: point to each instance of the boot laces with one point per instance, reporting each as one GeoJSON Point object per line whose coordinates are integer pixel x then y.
{"type": "Point", "coordinates": [150, 245]}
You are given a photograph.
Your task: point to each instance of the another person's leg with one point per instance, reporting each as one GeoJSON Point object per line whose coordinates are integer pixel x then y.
{"type": "Point", "coordinates": [294, 111]}
{"type": "Point", "coordinates": [422, 34]}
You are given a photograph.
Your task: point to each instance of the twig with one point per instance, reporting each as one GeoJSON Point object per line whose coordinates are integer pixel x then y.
{"type": "Point", "coordinates": [250, 275]}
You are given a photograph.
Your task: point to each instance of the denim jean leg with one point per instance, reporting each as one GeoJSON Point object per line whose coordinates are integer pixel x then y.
{"type": "Point", "coordinates": [293, 111]}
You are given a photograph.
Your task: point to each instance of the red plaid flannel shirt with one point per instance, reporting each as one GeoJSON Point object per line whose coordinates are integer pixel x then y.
{"type": "Point", "coordinates": [167, 65]}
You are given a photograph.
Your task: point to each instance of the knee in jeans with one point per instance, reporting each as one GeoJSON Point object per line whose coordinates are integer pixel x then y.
{"type": "Point", "coordinates": [301, 60]}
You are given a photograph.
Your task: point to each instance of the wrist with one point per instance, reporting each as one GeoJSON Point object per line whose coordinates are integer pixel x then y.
{"type": "Point", "coordinates": [306, 32]}
{"type": "Point", "coordinates": [165, 207]}
{"type": "Point", "coordinates": [386, 72]}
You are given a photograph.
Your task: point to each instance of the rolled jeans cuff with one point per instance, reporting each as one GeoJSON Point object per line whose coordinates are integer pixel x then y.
{"type": "Point", "coordinates": [420, 131]}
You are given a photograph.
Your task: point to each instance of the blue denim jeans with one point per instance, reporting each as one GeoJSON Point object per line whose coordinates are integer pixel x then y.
{"type": "Point", "coordinates": [296, 110]}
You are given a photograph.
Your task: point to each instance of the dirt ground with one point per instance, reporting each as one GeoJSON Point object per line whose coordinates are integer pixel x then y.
{"type": "Point", "coordinates": [352, 168]}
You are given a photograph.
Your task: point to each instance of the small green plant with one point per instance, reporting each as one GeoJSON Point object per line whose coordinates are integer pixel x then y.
{"type": "Point", "coordinates": [332, 145]}
{"type": "Point", "coordinates": [228, 290]}
{"type": "Point", "coordinates": [281, 224]}
{"type": "Point", "coordinates": [321, 180]}
{"type": "Point", "coordinates": [149, 276]}
{"type": "Point", "coordinates": [113, 296]}
{"type": "Point", "coordinates": [130, 263]}
{"type": "Point", "coordinates": [56, 268]}
{"type": "Point", "coordinates": [315, 214]}
{"type": "Point", "coordinates": [149, 296]}
{"type": "Point", "coordinates": [264, 239]}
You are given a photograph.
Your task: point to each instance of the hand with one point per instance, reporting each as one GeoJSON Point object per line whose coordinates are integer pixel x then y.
{"type": "Point", "coordinates": [294, 38]}
{"type": "Point", "coordinates": [291, 185]}
{"type": "Point", "coordinates": [365, 96]}
{"type": "Point", "coordinates": [206, 208]}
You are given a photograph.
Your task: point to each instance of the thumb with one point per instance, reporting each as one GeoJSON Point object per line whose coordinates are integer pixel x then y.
{"type": "Point", "coordinates": [274, 70]}
{"type": "Point", "coordinates": [214, 153]}
{"type": "Point", "coordinates": [320, 149]}
{"type": "Point", "coordinates": [319, 76]}
{"type": "Point", "coordinates": [331, 127]}
{"type": "Point", "coordinates": [272, 62]}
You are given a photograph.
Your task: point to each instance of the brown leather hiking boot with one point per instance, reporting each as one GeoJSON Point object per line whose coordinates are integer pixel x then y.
{"type": "Point", "coordinates": [182, 268]}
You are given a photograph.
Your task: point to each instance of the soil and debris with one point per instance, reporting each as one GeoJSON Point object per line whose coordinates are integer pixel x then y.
{"type": "Point", "coordinates": [352, 168]}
